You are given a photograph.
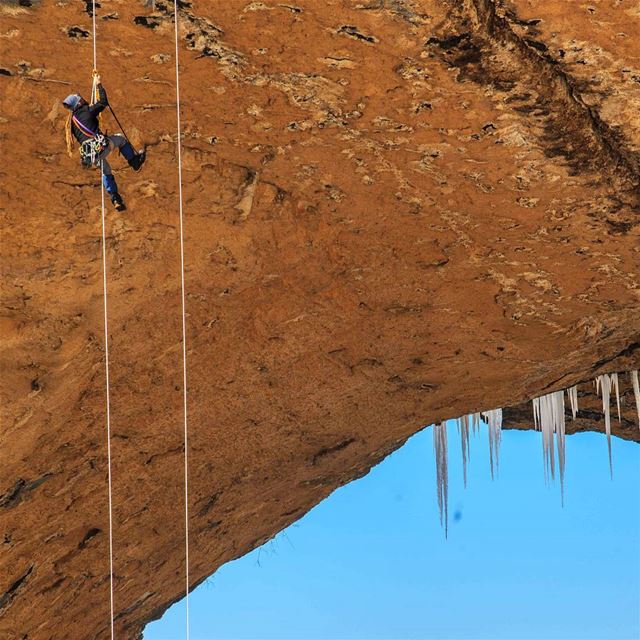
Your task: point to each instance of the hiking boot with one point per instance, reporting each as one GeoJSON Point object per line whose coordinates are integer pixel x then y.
{"type": "Point", "coordinates": [118, 202]}
{"type": "Point", "coordinates": [138, 160]}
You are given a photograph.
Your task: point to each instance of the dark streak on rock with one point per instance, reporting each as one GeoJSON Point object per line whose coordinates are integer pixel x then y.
{"type": "Point", "coordinates": [10, 498]}
{"type": "Point", "coordinates": [20, 489]}
{"type": "Point", "coordinates": [88, 7]}
{"type": "Point", "coordinates": [627, 352]}
{"type": "Point", "coordinates": [353, 32]}
{"type": "Point", "coordinates": [211, 524]}
{"type": "Point", "coordinates": [134, 606]}
{"type": "Point", "coordinates": [291, 8]}
{"type": "Point", "coordinates": [209, 503]}
{"type": "Point", "coordinates": [53, 585]}
{"type": "Point", "coordinates": [572, 129]}
{"type": "Point", "coordinates": [608, 143]}
{"type": "Point", "coordinates": [150, 22]}
{"type": "Point", "coordinates": [162, 454]}
{"type": "Point", "coordinates": [77, 32]}
{"type": "Point", "coordinates": [92, 533]}
{"type": "Point", "coordinates": [400, 8]}
{"type": "Point", "coordinates": [326, 451]}
{"type": "Point", "coordinates": [10, 594]}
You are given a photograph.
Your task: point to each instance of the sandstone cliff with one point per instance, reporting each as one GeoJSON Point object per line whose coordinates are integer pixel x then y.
{"type": "Point", "coordinates": [397, 212]}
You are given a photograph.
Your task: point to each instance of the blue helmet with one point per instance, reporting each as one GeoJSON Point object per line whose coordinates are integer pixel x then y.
{"type": "Point", "coordinates": [72, 101]}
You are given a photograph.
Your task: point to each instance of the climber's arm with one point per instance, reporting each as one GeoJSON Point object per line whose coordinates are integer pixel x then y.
{"type": "Point", "coordinates": [102, 103]}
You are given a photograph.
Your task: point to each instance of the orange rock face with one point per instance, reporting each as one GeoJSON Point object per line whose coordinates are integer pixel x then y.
{"type": "Point", "coordinates": [396, 212]}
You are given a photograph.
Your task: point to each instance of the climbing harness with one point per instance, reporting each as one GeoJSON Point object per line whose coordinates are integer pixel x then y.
{"type": "Point", "coordinates": [91, 150]}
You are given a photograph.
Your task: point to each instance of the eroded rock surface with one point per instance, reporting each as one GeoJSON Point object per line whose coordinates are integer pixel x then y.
{"type": "Point", "coordinates": [397, 212]}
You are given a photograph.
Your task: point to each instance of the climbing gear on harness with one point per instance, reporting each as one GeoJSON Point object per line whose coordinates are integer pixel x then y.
{"type": "Point", "coordinates": [91, 151]}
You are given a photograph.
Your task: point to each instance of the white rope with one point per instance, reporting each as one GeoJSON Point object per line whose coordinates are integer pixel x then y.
{"type": "Point", "coordinates": [106, 356]}
{"type": "Point", "coordinates": [184, 325]}
{"type": "Point", "coordinates": [184, 340]}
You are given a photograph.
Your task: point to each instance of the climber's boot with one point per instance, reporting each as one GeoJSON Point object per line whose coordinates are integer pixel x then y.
{"type": "Point", "coordinates": [135, 159]}
{"type": "Point", "coordinates": [111, 187]}
{"type": "Point", "coordinates": [138, 160]}
{"type": "Point", "coordinates": [118, 202]}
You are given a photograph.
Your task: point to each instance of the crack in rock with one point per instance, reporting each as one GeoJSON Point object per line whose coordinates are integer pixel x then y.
{"type": "Point", "coordinates": [7, 598]}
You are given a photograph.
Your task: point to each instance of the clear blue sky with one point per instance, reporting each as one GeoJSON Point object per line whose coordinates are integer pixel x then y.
{"type": "Point", "coordinates": [371, 562]}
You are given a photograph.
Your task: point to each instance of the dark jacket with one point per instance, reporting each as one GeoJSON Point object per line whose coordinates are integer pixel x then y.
{"type": "Point", "coordinates": [87, 115]}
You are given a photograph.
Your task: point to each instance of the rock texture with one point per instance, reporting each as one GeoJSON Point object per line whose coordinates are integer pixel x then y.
{"type": "Point", "coordinates": [397, 212]}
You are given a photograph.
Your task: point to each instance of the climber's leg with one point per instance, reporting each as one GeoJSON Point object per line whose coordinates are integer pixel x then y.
{"type": "Point", "coordinates": [108, 180]}
{"type": "Point", "coordinates": [111, 187]}
{"type": "Point", "coordinates": [134, 158]}
{"type": "Point", "coordinates": [117, 141]}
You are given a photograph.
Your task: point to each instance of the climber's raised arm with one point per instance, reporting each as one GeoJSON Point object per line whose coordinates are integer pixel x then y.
{"type": "Point", "coordinates": [102, 103]}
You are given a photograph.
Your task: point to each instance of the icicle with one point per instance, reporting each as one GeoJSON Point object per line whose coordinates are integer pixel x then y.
{"type": "Point", "coordinates": [614, 378]}
{"type": "Point", "coordinates": [559, 427]}
{"type": "Point", "coordinates": [544, 419]}
{"type": "Point", "coordinates": [442, 472]}
{"type": "Point", "coordinates": [548, 415]}
{"type": "Point", "coordinates": [475, 422]}
{"type": "Point", "coordinates": [603, 382]}
{"type": "Point", "coordinates": [494, 420]}
{"type": "Point", "coordinates": [636, 391]}
{"type": "Point", "coordinates": [463, 429]}
{"type": "Point", "coordinates": [572, 392]}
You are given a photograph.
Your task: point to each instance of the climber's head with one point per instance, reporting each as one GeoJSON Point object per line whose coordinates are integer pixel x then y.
{"type": "Point", "coordinates": [73, 101]}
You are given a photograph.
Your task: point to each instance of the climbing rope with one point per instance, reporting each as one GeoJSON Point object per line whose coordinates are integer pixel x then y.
{"type": "Point", "coordinates": [94, 97]}
{"type": "Point", "coordinates": [184, 323]}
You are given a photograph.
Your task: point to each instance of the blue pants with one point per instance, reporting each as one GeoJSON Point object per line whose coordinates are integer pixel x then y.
{"type": "Point", "coordinates": [119, 142]}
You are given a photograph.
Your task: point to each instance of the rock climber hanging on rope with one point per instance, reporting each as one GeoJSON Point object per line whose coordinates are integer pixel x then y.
{"type": "Point", "coordinates": [83, 124]}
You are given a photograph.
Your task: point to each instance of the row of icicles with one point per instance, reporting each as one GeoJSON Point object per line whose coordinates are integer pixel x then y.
{"type": "Point", "coordinates": [548, 417]}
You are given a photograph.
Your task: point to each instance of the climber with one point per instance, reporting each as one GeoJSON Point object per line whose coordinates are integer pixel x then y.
{"type": "Point", "coordinates": [83, 124]}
